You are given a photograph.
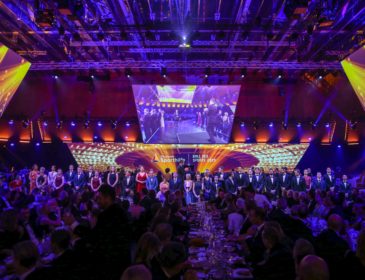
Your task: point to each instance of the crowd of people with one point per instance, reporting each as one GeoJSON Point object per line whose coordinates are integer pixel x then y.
{"type": "Point", "coordinates": [134, 224]}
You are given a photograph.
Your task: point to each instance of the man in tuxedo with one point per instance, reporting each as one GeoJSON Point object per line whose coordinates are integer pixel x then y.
{"type": "Point", "coordinates": [181, 170]}
{"type": "Point", "coordinates": [318, 183]}
{"type": "Point", "coordinates": [272, 183]}
{"type": "Point", "coordinates": [230, 184]}
{"type": "Point", "coordinates": [329, 179]}
{"type": "Point", "coordinates": [176, 183]}
{"type": "Point", "coordinates": [221, 176]}
{"type": "Point", "coordinates": [89, 174]}
{"type": "Point", "coordinates": [217, 184]}
{"type": "Point", "coordinates": [344, 186]}
{"type": "Point", "coordinates": [249, 178]}
{"type": "Point", "coordinates": [258, 180]}
{"type": "Point", "coordinates": [298, 182]}
{"type": "Point", "coordinates": [151, 183]}
{"type": "Point", "coordinates": [284, 179]}
{"type": "Point", "coordinates": [70, 175]}
{"type": "Point", "coordinates": [79, 179]}
{"type": "Point", "coordinates": [128, 183]}
{"type": "Point", "coordinates": [255, 244]}
{"type": "Point", "coordinates": [240, 178]}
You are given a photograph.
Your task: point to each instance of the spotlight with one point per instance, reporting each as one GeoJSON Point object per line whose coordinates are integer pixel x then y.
{"type": "Point", "coordinates": [11, 122]}
{"type": "Point", "coordinates": [12, 144]}
{"type": "Point", "coordinates": [285, 125]}
{"type": "Point", "coordinates": [163, 72]}
{"type": "Point", "coordinates": [127, 124]}
{"type": "Point", "coordinates": [339, 146]}
{"type": "Point", "coordinates": [25, 123]}
{"type": "Point", "coordinates": [59, 124]}
{"type": "Point", "coordinates": [207, 72]}
{"type": "Point", "coordinates": [73, 124]}
{"type": "Point", "coordinates": [55, 77]}
{"type": "Point", "coordinates": [184, 38]}
{"type": "Point", "coordinates": [100, 124]}
{"type": "Point", "coordinates": [314, 125]}
{"type": "Point", "coordinates": [92, 76]}
{"type": "Point", "coordinates": [65, 137]}
{"type": "Point", "coordinates": [327, 125]}
{"type": "Point", "coordinates": [279, 76]}
{"type": "Point", "coordinates": [271, 124]}
{"type": "Point", "coordinates": [128, 72]}
{"type": "Point", "coordinates": [37, 144]}
{"type": "Point", "coordinates": [243, 72]}
{"type": "Point", "coordinates": [45, 123]}
{"type": "Point", "coordinates": [114, 124]}
{"type": "Point", "coordinates": [242, 124]}
{"type": "Point", "coordinates": [86, 123]}
{"type": "Point", "coordinates": [95, 137]}
{"type": "Point", "coordinates": [299, 124]}
{"type": "Point", "coordinates": [309, 138]}
{"type": "Point", "coordinates": [126, 137]}
{"type": "Point", "coordinates": [255, 126]}
{"type": "Point", "coordinates": [320, 77]}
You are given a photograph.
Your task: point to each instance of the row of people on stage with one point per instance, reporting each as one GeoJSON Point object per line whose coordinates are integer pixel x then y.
{"type": "Point", "coordinates": [195, 185]}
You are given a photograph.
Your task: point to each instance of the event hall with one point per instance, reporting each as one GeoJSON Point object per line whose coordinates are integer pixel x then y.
{"type": "Point", "coordinates": [182, 139]}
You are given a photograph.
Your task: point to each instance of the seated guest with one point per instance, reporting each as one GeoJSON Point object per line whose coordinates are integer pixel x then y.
{"type": "Point", "coordinates": [136, 272]}
{"type": "Point", "coordinates": [235, 219]}
{"type": "Point", "coordinates": [302, 248]}
{"type": "Point", "coordinates": [254, 243]}
{"type": "Point", "coordinates": [278, 263]}
{"type": "Point", "coordinates": [148, 247]}
{"type": "Point", "coordinates": [332, 247]}
{"type": "Point", "coordinates": [26, 258]}
{"type": "Point", "coordinates": [313, 268]}
{"type": "Point", "coordinates": [164, 232]}
{"type": "Point", "coordinates": [10, 231]}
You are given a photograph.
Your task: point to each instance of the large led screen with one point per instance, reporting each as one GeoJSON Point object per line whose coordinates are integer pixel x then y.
{"type": "Point", "coordinates": [354, 66]}
{"type": "Point", "coordinates": [186, 114]}
{"type": "Point", "coordinates": [201, 157]}
{"type": "Point", "coordinates": [13, 69]}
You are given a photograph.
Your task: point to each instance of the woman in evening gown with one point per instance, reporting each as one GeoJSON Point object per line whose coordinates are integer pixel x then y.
{"type": "Point", "coordinates": [95, 182]}
{"type": "Point", "coordinates": [33, 174]}
{"type": "Point", "coordinates": [141, 179]}
{"type": "Point", "coordinates": [188, 187]}
{"type": "Point", "coordinates": [197, 188]}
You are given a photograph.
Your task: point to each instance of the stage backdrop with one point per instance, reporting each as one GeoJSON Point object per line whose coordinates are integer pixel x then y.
{"type": "Point", "coordinates": [202, 157]}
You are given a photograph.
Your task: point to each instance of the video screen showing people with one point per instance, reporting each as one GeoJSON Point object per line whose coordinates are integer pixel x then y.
{"type": "Point", "coordinates": [186, 114]}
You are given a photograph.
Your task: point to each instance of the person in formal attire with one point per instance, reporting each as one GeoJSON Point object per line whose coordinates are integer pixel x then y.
{"type": "Point", "coordinates": [89, 174]}
{"type": "Point", "coordinates": [79, 180]}
{"type": "Point", "coordinates": [167, 174]}
{"type": "Point", "coordinates": [216, 185]}
{"type": "Point", "coordinates": [141, 179]}
{"type": "Point", "coordinates": [152, 182]}
{"type": "Point", "coordinates": [318, 183]}
{"type": "Point", "coordinates": [344, 186]}
{"type": "Point", "coordinates": [181, 170]}
{"type": "Point", "coordinates": [298, 183]}
{"type": "Point", "coordinates": [176, 183]}
{"type": "Point", "coordinates": [113, 179]}
{"type": "Point", "coordinates": [41, 180]}
{"type": "Point", "coordinates": [313, 267]}
{"type": "Point", "coordinates": [59, 180]}
{"type": "Point", "coordinates": [26, 258]}
{"type": "Point", "coordinates": [33, 174]}
{"type": "Point", "coordinates": [307, 179]}
{"type": "Point", "coordinates": [197, 187]}
{"type": "Point", "coordinates": [222, 176]}
{"type": "Point", "coordinates": [188, 188]}
{"type": "Point", "coordinates": [285, 179]}
{"type": "Point", "coordinates": [240, 178]}
{"type": "Point", "coordinates": [230, 184]}
{"type": "Point", "coordinates": [164, 187]}
{"type": "Point", "coordinates": [258, 182]}
{"type": "Point", "coordinates": [208, 187]}
{"type": "Point", "coordinates": [96, 181]}
{"type": "Point", "coordinates": [272, 184]}
{"type": "Point", "coordinates": [70, 175]}
{"type": "Point", "coordinates": [128, 183]}
{"type": "Point", "coordinates": [212, 119]}
{"type": "Point", "coordinates": [330, 179]}
{"type": "Point", "coordinates": [52, 175]}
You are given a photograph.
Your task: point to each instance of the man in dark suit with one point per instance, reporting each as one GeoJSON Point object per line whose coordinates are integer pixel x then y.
{"type": "Point", "coordinates": [70, 175]}
{"type": "Point", "coordinates": [255, 244]}
{"type": "Point", "coordinates": [216, 184]}
{"type": "Point", "coordinates": [89, 174]}
{"type": "Point", "coordinates": [221, 176]}
{"type": "Point", "coordinates": [181, 170]}
{"type": "Point", "coordinates": [230, 184]}
{"type": "Point", "coordinates": [272, 183]}
{"type": "Point", "coordinates": [79, 179]}
{"type": "Point", "coordinates": [344, 186]}
{"type": "Point", "coordinates": [240, 178]}
{"type": "Point", "coordinates": [298, 182]}
{"type": "Point", "coordinates": [318, 183]}
{"type": "Point", "coordinates": [128, 183]}
{"type": "Point", "coordinates": [329, 178]}
{"type": "Point", "coordinates": [258, 180]}
{"type": "Point", "coordinates": [175, 183]}
{"type": "Point", "coordinates": [284, 179]}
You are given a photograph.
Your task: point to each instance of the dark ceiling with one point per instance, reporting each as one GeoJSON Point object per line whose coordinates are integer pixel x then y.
{"type": "Point", "coordinates": [147, 33]}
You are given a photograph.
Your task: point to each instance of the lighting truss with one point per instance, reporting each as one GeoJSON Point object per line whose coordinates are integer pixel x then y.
{"type": "Point", "coordinates": [173, 64]}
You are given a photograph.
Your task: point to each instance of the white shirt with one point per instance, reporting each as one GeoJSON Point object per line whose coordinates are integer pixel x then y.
{"type": "Point", "coordinates": [235, 222]}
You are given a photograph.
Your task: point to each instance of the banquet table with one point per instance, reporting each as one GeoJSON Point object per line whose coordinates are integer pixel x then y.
{"type": "Point", "coordinates": [211, 253]}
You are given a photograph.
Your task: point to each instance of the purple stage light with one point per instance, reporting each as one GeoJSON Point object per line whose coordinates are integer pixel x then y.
{"type": "Point", "coordinates": [327, 125]}
{"type": "Point", "coordinates": [271, 124]}
{"type": "Point", "coordinates": [100, 124]}
{"type": "Point", "coordinates": [242, 124]}
{"type": "Point", "coordinates": [339, 146]}
{"type": "Point", "coordinates": [12, 144]}
{"type": "Point", "coordinates": [37, 144]}
{"type": "Point", "coordinates": [299, 124]}
{"type": "Point", "coordinates": [11, 122]}
{"type": "Point", "coordinates": [45, 124]}
{"type": "Point", "coordinates": [95, 137]}
{"type": "Point", "coordinates": [127, 124]}
{"type": "Point", "coordinates": [73, 124]}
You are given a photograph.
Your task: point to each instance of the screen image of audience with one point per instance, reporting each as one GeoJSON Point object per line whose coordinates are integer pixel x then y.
{"type": "Point", "coordinates": [124, 223]}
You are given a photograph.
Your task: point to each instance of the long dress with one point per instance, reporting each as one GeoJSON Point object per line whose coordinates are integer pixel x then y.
{"type": "Point", "coordinates": [197, 191]}
{"type": "Point", "coordinates": [95, 183]}
{"type": "Point", "coordinates": [188, 187]}
{"type": "Point", "coordinates": [141, 177]}
{"type": "Point", "coordinates": [32, 180]}
{"type": "Point", "coordinates": [58, 182]}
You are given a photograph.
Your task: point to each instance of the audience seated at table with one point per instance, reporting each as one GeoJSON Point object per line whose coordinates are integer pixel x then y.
{"type": "Point", "coordinates": [283, 224]}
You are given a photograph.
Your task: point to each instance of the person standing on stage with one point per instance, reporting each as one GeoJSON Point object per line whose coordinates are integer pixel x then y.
{"type": "Point", "coordinates": [52, 175]}
{"type": "Point", "coordinates": [59, 180]}
{"type": "Point", "coordinates": [151, 182]}
{"type": "Point", "coordinates": [188, 188]}
{"type": "Point", "coordinates": [197, 187]}
{"type": "Point", "coordinates": [41, 179]}
{"type": "Point", "coordinates": [79, 179]}
{"type": "Point", "coordinates": [96, 182]}
{"type": "Point", "coordinates": [212, 119]}
{"type": "Point", "coordinates": [33, 174]}
{"type": "Point", "coordinates": [70, 175]}
{"type": "Point", "coordinates": [141, 179]}
{"type": "Point", "coordinates": [112, 177]}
